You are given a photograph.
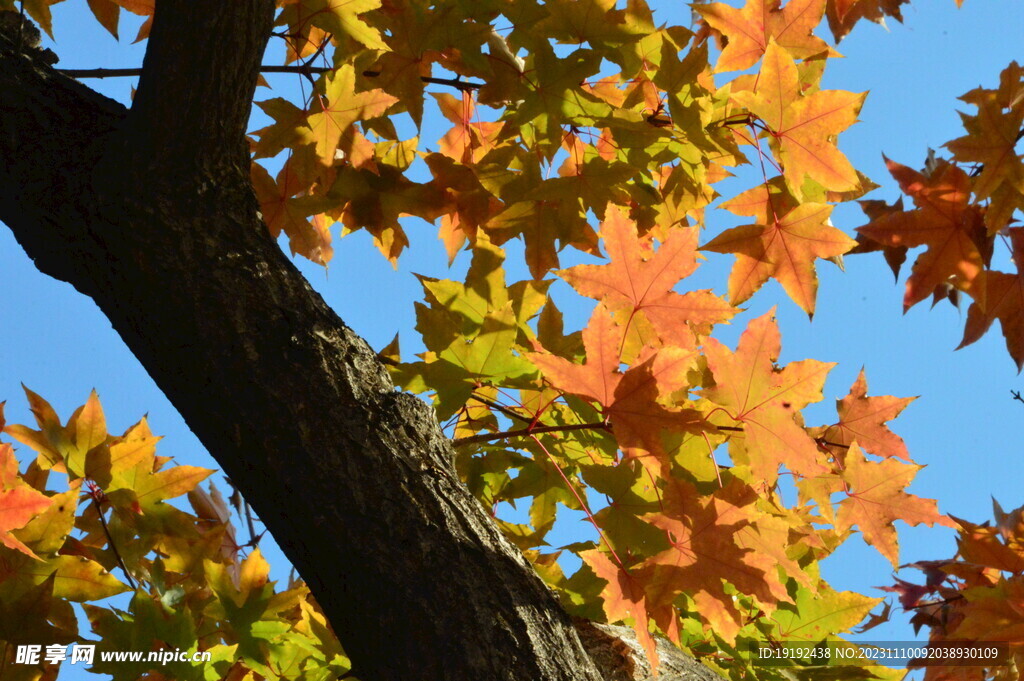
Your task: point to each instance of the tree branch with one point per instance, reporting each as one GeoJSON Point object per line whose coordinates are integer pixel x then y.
{"type": "Point", "coordinates": [512, 414]}
{"type": "Point", "coordinates": [152, 215]}
{"type": "Point", "coordinates": [302, 69]}
{"type": "Point", "coordinates": [525, 432]}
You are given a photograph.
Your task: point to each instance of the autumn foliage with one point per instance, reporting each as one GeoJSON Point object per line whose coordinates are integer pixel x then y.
{"type": "Point", "coordinates": [587, 125]}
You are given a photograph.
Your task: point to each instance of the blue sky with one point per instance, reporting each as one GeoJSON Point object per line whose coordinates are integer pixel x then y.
{"type": "Point", "coordinates": [964, 426]}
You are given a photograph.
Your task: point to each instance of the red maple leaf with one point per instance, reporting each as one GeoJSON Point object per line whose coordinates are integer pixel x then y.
{"type": "Point", "coordinates": [944, 221]}
{"type": "Point", "coordinates": [1003, 300]}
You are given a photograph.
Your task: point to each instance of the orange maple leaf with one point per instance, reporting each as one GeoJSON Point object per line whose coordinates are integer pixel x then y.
{"type": "Point", "coordinates": [767, 400]}
{"type": "Point", "coordinates": [784, 243]}
{"type": "Point", "coordinates": [640, 279]}
{"type": "Point", "coordinates": [630, 399]}
{"type": "Point", "coordinates": [749, 30]}
{"type": "Point", "coordinates": [705, 552]}
{"type": "Point", "coordinates": [863, 418]}
{"type": "Point", "coordinates": [1003, 300]}
{"type": "Point", "coordinates": [875, 499]}
{"type": "Point", "coordinates": [468, 141]}
{"type": "Point", "coordinates": [844, 14]}
{"type": "Point", "coordinates": [624, 598]}
{"type": "Point", "coordinates": [987, 546]}
{"type": "Point", "coordinates": [944, 221]}
{"type": "Point", "coordinates": [17, 507]}
{"type": "Point", "coordinates": [992, 141]}
{"type": "Point", "coordinates": [802, 128]}
{"type": "Point", "coordinates": [286, 207]}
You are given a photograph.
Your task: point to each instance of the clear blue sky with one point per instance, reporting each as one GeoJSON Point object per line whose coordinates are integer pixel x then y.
{"type": "Point", "coordinates": [964, 426]}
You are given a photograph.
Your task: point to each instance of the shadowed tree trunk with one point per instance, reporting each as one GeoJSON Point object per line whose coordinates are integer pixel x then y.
{"type": "Point", "coordinates": [149, 212]}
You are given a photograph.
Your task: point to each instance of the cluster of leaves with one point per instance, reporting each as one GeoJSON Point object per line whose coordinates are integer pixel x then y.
{"type": "Point", "coordinates": [91, 505]}
{"type": "Point", "coordinates": [978, 596]}
{"type": "Point", "coordinates": [678, 449]}
{"type": "Point", "coordinates": [959, 215]}
{"type": "Point", "coordinates": [630, 415]}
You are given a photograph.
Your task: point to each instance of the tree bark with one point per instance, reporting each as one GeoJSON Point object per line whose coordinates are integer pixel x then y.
{"type": "Point", "coordinates": [149, 212]}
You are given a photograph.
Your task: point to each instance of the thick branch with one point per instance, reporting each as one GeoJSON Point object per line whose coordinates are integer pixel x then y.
{"type": "Point", "coordinates": [151, 214]}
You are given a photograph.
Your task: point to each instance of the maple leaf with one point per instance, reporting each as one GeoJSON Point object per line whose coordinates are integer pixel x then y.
{"type": "Point", "coordinates": [17, 507]}
{"type": "Point", "coordinates": [819, 613]}
{"type": "Point", "coordinates": [67, 448]}
{"type": "Point", "coordinates": [468, 140]}
{"type": "Point", "coordinates": [623, 598]}
{"type": "Point", "coordinates": [945, 221]}
{"type": "Point", "coordinates": [472, 330]}
{"type": "Point", "coordinates": [289, 129]}
{"type": "Point", "coordinates": [710, 545]}
{"type": "Point", "coordinates": [875, 499]}
{"type": "Point", "coordinates": [992, 140]}
{"type": "Point", "coordinates": [782, 245]}
{"type": "Point", "coordinates": [468, 205]}
{"type": "Point", "coordinates": [107, 13]}
{"type": "Point", "coordinates": [418, 39]}
{"type": "Point", "coordinates": [863, 419]}
{"type": "Point", "coordinates": [767, 400]}
{"type": "Point", "coordinates": [339, 108]}
{"type": "Point", "coordinates": [287, 207]}
{"type": "Point", "coordinates": [994, 614]}
{"type": "Point", "coordinates": [374, 201]}
{"type": "Point", "coordinates": [1003, 300]}
{"type": "Point", "coordinates": [894, 256]}
{"type": "Point", "coordinates": [987, 546]}
{"type": "Point", "coordinates": [630, 399]}
{"type": "Point", "coordinates": [844, 14]}
{"type": "Point", "coordinates": [48, 530]}
{"type": "Point", "coordinates": [339, 17]}
{"type": "Point", "coordinates": [540, 224]}
{"type": "Point", "coordinates": [803, 127]}
{"type": "Point", "coordinates": [640, 279]}
{"type": "Point", "coordinates": [748, 31]}
{"type": "Point", "coordinates": [26, 617]}
{"type": "Point", "coordinates": [76, 577]}
{"type": "Point", "coordinates": [553, 94]}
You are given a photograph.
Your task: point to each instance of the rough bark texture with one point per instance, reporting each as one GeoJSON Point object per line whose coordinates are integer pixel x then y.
{"type": "Point", "coordinates": [150, 213]}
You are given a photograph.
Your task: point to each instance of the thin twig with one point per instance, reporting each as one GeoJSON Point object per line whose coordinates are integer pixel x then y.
{"type": "Point", "coordinates": [254, 539]}
{"type": "Point", "coordinates": [501, 408]}
{"type": "Point", "coordinates": [301, 69]}
{"type": "Point", "coordinates": [526, 432]}
{"type": "Point", "coordinates": [820, 441]}
{"type": "Point", "coordinates": [113, 545]}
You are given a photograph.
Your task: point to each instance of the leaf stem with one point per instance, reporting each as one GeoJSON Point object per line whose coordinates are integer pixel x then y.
{"type": "Point", "coordinates": [579, 499]}
{"type": "Point", "coordinates": [97, 499]}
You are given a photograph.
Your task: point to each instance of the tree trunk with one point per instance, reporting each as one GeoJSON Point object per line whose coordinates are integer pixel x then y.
{"type": "Point", "coordinates": [149, 212]}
